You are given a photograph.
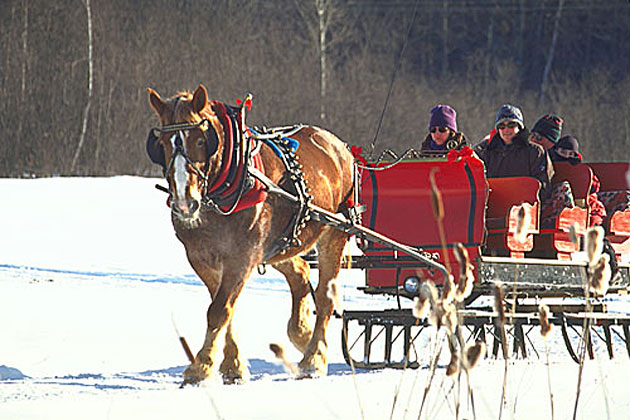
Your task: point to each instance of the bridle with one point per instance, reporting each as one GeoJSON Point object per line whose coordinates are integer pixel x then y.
{"type": "Point", "coordinates": [157, 155]}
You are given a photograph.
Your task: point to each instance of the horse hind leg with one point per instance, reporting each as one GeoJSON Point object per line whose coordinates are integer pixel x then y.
{"type": "Point", "coordinates": [330, 246]}
{"type": "Point", "coordinates": [296, 272]}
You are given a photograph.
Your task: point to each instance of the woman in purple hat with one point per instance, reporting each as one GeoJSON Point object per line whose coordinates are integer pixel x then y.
{"type": "Point", "coordinates": [443, 135]}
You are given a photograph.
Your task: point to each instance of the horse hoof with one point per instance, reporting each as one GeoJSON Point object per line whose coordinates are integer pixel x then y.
{"type": "Point", "coordinates": [312, 369]}
{"type": "Point", "coordinates": [195, 373]}
{"type": "Point", "coordinates": [233, 380]}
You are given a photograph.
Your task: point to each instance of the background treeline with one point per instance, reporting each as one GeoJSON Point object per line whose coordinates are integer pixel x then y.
{"type": "Point", "coordinates": [74, 73]}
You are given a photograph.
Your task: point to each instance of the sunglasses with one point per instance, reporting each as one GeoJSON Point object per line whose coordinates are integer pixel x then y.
{"type": "Point", "coordinates": [440, 129]}
{"type": "Point", "coordinates": [511, 124]}
{"type": "Point", "coordinates": [535, 136]}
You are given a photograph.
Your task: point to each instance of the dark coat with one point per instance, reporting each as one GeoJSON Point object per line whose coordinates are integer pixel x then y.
{"type": "Point", "coordinates": [521, 158]}
{"type": "Point", "coordinates": [455, 141]}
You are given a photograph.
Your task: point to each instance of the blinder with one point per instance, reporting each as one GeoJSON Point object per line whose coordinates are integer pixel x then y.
{"type": "Point", "coordinates": [156, 151]}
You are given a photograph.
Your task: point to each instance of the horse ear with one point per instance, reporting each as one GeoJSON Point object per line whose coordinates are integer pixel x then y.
{"type": "Point", "coordinates": [200, 99]}
{"type": "Point", "coordinates": [156, 102]}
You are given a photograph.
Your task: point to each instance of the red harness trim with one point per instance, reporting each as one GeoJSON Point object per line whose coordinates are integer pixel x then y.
{"type": "Point", "coordinates": [257, 193]}
{"type": "Point", "coordinates": [228, 144]}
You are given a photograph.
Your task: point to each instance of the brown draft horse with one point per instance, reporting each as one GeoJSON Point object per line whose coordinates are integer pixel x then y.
{"type": "Point", "coordinates": [224, 249]}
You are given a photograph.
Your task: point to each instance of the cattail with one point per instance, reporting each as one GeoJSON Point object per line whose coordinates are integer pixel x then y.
{"type": "Point", "coordinates": [421, 306]}
{"type": "Point", "coordinates": [461, 254]}
{"type": "Point", "coordinates": [473, 353]}
{"type": "Point", "coordinates": [600, 275]}
{"type": "Point", "coordinates": [466, 276]}
{"type": "Point", "coordinates": [448, 289]}
{"type": "Point", "coordinates": [449, 316]}
{"type": "Point", "coordinates": [429, 290]}
{"type": "Point", "coordinates": [278, 351]}
{"type": "Point", "coordinates": [545, 325]}
{"type": "Point", "coordinates": [499, 296]}
{"type": "Point", "coordinates": [453, 366]}
{"type": "Point", "coordinates": [573, 237]}
{"type": "Point", "coordinates": [520, 234]}
{"type": "Point", "coordinates": [594, 244]}
{"type": "Point", "coordinates": [436, 198]}
{"type": "Point", "coordinates": [335, 296]}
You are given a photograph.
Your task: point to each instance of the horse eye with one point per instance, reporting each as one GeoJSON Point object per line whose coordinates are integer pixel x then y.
{"type": "Point", "coordinates": [200, 142]}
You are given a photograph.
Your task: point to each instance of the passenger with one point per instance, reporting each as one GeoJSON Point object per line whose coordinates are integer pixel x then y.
{"type": "Point", "coordinates": [443, 135]}
{"type": "Point", "coordinates": [546, 131]}
{"type": "Point", "coordinates": [510, 153]}
{"type": "Point", "coordinates": [567, 149]}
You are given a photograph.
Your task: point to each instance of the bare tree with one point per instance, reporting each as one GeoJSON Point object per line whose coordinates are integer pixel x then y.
{"type": "Point", "coordinates": [24, 49]}
{"type": "Point", "coordinates": [445, 37]}
{"type": "Point", "coordinates": [86, 111]}
{"type": "Point", "coordinates": [320, 30]}
{"type": "Point", "coordinates": [552, 48]}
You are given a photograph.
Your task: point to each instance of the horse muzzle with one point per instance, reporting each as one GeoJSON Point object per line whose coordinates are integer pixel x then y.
{"type": "Point", "coordinates": [186, 209]}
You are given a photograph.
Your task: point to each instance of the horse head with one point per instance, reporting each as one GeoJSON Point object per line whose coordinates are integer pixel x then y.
{"type": "Point", "coordinates": [186, 146]}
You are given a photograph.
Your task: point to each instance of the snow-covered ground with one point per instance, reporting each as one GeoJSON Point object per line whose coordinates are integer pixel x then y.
{"type": "Point", "coordinates": [93, 285]}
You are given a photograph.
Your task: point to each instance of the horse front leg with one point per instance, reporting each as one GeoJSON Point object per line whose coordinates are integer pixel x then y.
{"type": "Point", "coordinates": [296, 272]}
{"type": "Point", "coordinates": [330, 246]}
{"type": "Point", "coordinates": [233, 368]}
{"type": "Point", "coordinates": [219, 315]}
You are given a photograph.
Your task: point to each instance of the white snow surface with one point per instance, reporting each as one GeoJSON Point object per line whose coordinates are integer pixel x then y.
{"type": "Point", "coordinates": [94, 284]}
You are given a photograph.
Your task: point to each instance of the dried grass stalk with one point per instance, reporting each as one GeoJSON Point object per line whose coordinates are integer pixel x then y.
{"type": "Point", "coordinates": [449, 316]}
{"type": "Point", "coordinates": [421, 306]}
{"type": "Point", "coordinates": [437, 204]}
{"type": "Point", "coordinates": [473, 353]}
{"type": "Point", "coordinates": [545, 325]}
{"type": "Point", "coordinates": [453, 366]}
{"type": "Point", "coordinates": [429, 290]}
{"type": "Point", "coordinates": [335, 296]}
{"type": "Point", "coordinates": [600, 275]}
{"type": "Point", "coordinates": [573, 236]}
{"type": "Point", "coordinates": [520, 234]}
{"type": "Point", "coordinates": [466, 276]}
{"type": "Point", "coordinates": [278, 351]}
{"type": "Point", "coordinates": [499, 297]}
{"type": "Point", "coordinates": [594, 244]}
{"type": "Point", "coordinates": [448, 289]}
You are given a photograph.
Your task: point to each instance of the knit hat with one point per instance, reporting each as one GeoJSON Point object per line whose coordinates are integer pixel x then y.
{"type": "Point", "coordinates": [549, 126]}
{"type": "Point", "coordinates": [567, 148]}
{"type": "Point", "coordinates": [443, 116]}
{"type": "Point", "coordinates": [509, 113]}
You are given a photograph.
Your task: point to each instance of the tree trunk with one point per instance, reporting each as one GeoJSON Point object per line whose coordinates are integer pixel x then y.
{"type": "Point", "coordinates": [489, 48]}
{"type": "Point", "coordinates": [552, 48]}
{"type": "Point", "coordinates": [322, 25]}
{"type": "Point", "coordinates": [86, 112]}
{"type": "Point", "coordinates": [445, 38]}
{"type": "Point", "coordinates": [25, 50]}
{"type": "Point", "coordinates": [521, 32]}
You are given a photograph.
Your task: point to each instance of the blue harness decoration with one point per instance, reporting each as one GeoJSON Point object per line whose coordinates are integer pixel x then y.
{"type": "Point", "coordinates": [278, 134]}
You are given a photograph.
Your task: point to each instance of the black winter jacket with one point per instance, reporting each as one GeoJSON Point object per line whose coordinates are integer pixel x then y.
{"type": "Point", "coordinates": [521, 158]}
